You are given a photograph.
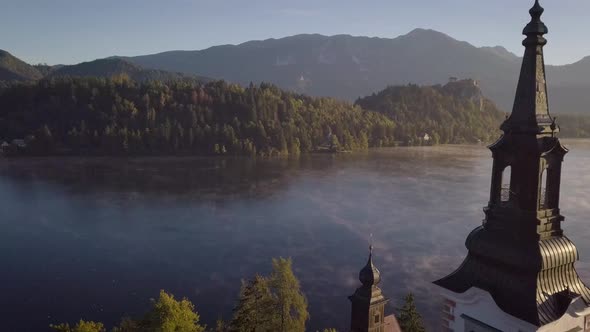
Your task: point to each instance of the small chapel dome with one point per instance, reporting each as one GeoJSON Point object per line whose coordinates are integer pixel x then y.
{"type": "Point", "coordinates": [370, 275]}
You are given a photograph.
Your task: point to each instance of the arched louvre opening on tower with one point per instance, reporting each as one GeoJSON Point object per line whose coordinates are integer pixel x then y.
{"type": "Point", "coordinates": [505, 192]}
{"type": "Point", "coordinates": [519, 272]}
{"type": "Point", "coordinates": [543, 204]}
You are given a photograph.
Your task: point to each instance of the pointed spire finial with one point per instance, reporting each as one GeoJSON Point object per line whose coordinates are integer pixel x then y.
{"type": "Point", "coordinates": [536, 26]}
{"type": "Point", "coordinates": [536, 11]}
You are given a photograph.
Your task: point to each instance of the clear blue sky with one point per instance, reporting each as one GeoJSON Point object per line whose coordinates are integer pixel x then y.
{"type": "Point", "coordinates": [72, 31]}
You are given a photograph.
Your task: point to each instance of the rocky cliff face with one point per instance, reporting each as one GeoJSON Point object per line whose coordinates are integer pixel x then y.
{"type": "Point", "coordinates": [465, 89]}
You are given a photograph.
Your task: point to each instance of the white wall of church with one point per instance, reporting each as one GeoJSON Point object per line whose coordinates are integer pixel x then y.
{"type": "Point", "coordinates": [575, 319]}
{"type": "Point", "coordinates": [485, 315]}
{"type": "Point", "coordinates": [479, 305]}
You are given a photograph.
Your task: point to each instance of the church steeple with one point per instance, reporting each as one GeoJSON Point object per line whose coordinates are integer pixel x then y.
{"type": "Point", "coordinates": [530, 113]}
{"type": "Point", "coordinates": [526, 175]}
{"type": "Point", "coordinates": [368, 302]}
{"type": "Point", "coordinates": [520, 255]}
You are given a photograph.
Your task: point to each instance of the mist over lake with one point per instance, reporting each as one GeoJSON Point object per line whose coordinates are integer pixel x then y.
{"type": "Point", "coordinates": [95, 238]}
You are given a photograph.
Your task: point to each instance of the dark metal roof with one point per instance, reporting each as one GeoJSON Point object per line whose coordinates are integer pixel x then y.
{"type": "Point", "coordinates": [538, 296]}
{"type": "Point", "coordinates": [368, 295]}
{"type": "Point", "coordinates": [558, 282]}
{"type": "Point", "coordinates": [370, 275]}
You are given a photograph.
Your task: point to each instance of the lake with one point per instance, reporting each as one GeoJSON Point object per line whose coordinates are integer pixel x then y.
{"type": "Point", "coordinates": [96, 238]}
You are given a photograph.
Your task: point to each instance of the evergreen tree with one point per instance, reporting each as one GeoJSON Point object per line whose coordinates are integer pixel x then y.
{"type": "Point", "coordinates": [255, 311]}
{"type": "Point", "coordinates": [291, 302]}
{"type": "Point", "coordinates": [271, 304]}
{"type": "Point", "coordinates": [408, 317]}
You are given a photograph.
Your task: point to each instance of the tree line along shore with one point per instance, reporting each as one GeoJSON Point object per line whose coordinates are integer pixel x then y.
{"type": "Point", "coordinates": [119, 116]}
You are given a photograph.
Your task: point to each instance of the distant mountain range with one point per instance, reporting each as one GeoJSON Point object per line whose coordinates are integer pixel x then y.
{"type": "Point", "coordinates": [14, 69]}
{"type": "Point", "coordinates": [341, 66]}
{"type": "Point", "coordinates": [349, 67]}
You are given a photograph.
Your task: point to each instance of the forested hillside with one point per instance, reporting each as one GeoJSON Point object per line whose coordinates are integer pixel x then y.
{"type": "Point", "coordinates": [112, 67]}
{"type": "Point", "coordinates": [574, 126]}
{"type": "Point", "coordinates": [120, 116]}
{"type": "Point", "coordinates": [453, 113]}
{"type": "Point", "coordinates": [14, 69]}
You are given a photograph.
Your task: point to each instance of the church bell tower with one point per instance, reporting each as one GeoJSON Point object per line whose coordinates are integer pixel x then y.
{"type": "Point", "coordinates": [368, 303]}
{"type": "Point", "coordinates": [519, 273]}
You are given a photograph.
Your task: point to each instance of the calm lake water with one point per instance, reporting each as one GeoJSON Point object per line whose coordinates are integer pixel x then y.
{"type": "Point", "coordinates": [96, 238]}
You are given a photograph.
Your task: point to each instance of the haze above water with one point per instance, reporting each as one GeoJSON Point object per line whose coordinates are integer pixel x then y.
{"type": "Point", "coordinates": [96, 238]}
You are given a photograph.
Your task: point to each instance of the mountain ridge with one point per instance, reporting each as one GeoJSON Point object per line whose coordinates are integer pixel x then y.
{"type": "Point", "coordinates": [495, 49]}
{"type": "Point", "coordinates": [342, 66]}
{"type": "Point", "coordinates": [14, 69]}
{"type": "Point", "coordinates": [348, 67]}
{"type": "Point", "coordinates": [110, 67]}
